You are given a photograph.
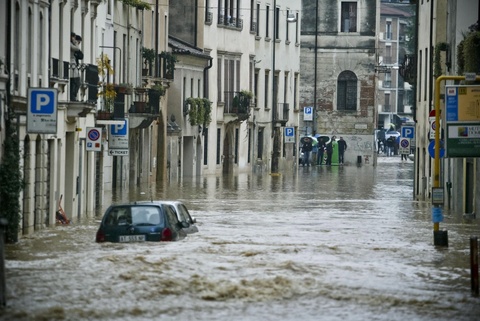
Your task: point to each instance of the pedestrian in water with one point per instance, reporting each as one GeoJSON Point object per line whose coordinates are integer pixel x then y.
{"type": "Point", "coordinates": [342, 147]}
{"type": "Point", "coordinates": [321, 150]}
{"type": "Point", "coordinates": [329, 149]}
{"type": "Point", "coordinates": [390, 145]}
{"type": "Point", "coordinates": [307, 147]}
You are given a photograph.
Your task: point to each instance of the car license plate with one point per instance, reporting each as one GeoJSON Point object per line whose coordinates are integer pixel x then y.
{"type": "Point", "coordinates": [132, 238]}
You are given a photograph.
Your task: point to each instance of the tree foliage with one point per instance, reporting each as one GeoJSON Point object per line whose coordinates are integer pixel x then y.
{"type": "Point", "coordinates": [11, 182]}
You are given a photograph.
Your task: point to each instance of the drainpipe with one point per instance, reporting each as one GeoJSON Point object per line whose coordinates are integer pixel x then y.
{"type": "Point", "coordinates": [314, 120]}
{"type": "Point", "coordinates": [156, 40]}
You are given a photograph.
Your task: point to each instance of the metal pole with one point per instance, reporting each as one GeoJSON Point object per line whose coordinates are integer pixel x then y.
{"type": "Point", "coordinates": [276, 143]}
{"type": "Point", "coordinates": [474, 264]}
{"type": "Point", "coordinates": [314, 112]}
{"type": "Point", "coordinates": [3, 224]}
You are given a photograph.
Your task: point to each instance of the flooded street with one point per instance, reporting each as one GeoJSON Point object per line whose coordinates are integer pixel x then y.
{"type": "Point", "coordinates": [338, 243]}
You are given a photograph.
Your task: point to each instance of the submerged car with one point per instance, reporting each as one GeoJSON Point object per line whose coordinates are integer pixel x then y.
{"type": "Point", "coordinates": [140, 222]}
{"type": "Point", "coordinates": [183, 216]}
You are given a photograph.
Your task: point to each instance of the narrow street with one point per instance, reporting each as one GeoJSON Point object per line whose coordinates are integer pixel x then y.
{"type": "Point", "coordinates": [323, 243]}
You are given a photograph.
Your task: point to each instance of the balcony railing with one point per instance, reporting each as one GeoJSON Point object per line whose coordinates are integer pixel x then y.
{"type": "Point", "coordinates": [209, 18]}
{"type": "Point", "coordinates": [280, 114]}
{"type": "Point", "coordinates": [387, 108]}
{"type": "Point", "coordinates": [236, 103]}
{"type": "Point", "coordinates": [232, 22]}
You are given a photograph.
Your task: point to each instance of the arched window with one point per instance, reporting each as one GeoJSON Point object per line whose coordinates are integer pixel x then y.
{"type": "Point", "coordinates": [347, 91]}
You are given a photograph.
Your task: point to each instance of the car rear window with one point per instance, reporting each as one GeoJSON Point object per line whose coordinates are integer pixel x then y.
{"type": "Point", "coordinates": [126, 215]}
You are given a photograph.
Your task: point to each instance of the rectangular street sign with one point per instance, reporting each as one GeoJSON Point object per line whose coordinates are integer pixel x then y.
{"type": "Point", "coordinates": [408, 132]}
{"type": "Point", "coordinates": [289, 134]}
{"type": "Point", "coordinates": [462, 104]}
{"type": "Point", "coordinates": [118, 139]}
{"type": "Point", "coordinates": [94, 139]}
{"type": "Point", "coordinates": [42, 110]}
{"type": "Point", "coordinates": [308, 113]}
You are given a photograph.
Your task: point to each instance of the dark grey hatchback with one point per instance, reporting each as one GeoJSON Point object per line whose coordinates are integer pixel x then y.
{"type": "Point", "coordinates": [135, 222]}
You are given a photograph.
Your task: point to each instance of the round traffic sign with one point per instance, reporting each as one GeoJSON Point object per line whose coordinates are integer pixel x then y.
{"type": "Point", "coordinates": [431, 149]}
{"type": "Point", "coordinates": [93, 134]}
{"type": "Point", "coordinates": [404, 143]}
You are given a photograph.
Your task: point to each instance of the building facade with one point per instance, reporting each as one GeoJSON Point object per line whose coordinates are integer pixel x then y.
{"type": "Point", "coordinates": [443, 28]}
{"type": "Point", "coordinates": [164, 93]}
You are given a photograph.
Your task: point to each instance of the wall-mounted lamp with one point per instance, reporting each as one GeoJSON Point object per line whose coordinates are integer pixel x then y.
{"type": "Point", "coordinates": [291, 17]}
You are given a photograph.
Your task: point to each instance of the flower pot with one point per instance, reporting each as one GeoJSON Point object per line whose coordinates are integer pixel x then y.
{"type": "Point", "coordinates": [104, 115]}
{"type": "Point", "coordinates": [139, 106]}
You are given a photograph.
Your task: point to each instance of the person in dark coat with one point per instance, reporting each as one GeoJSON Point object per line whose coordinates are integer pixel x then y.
{"type": "Point", "coordinates": [390, 145]}
{"type": "Point", "coordinates": [321, 150]}
{"type": "Point", "coordinates": [307, 147]}
{"type": "Point", "coordinates": [329, 149]}
{"type": "Point", "coordinates": [342, 147]}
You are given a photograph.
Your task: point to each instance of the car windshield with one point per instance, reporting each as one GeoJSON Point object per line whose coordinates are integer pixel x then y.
{"type": "Point", "coordinates": [126, 215]}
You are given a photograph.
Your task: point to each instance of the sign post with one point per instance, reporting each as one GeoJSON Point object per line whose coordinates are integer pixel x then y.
{"type": "Point", "coordinates": [42, 111]}
{"type": "Point", "coordinates": [94, 139]}
{"type": "Point", "coordinates": [118, 139]}
{"type": "Point", "coordinates": [289, 134]}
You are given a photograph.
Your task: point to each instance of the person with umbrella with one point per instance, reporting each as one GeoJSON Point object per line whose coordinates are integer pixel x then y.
{"type": "Point", "coordinates": [307, 147]}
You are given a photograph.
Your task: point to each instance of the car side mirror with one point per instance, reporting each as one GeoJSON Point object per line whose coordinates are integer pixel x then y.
{"type": "Point", "coordinates": [194, 220]}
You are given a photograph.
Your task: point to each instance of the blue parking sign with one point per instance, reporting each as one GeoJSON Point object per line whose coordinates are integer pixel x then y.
{"type": "Point", "coordinates": [408, 132]}
{"type": "Point", "coordinates": [289, 135]}
{"type": "Point", "coordinates": [42, 110]}
{"type": "Point", "coordinates": [308, 113]}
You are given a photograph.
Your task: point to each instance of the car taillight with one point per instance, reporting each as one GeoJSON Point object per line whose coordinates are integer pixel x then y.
{"type": "Point", "coordinates": [100, 236]}
{"type": "Point", "coordinates": [167, 234]}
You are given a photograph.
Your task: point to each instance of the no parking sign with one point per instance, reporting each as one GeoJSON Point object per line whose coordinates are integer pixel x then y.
{"type": "Point", "coordinates": [404, 147]}
{"type": "Point", "coordinates": [94, 139]}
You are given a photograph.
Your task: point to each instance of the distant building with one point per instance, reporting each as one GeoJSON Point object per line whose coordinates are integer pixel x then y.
{"type": "Point", "coordinates": [394, 95]}
{"type": "Point", "coordinates": [338, 58]}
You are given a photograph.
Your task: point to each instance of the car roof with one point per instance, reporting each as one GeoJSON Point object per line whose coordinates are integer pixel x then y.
{"type": "Point", "coordinates": [158, 202]}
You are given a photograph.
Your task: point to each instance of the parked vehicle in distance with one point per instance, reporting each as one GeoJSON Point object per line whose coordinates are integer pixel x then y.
{"type": "Point", "coordinates": [183, 216]}
{"type": "Point", "coordinates": [140, 222]}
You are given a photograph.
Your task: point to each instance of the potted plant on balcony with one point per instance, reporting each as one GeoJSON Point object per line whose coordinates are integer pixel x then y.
{"type": "Point", "coordinates": [199, 111]}
{"type": "Point", "coordinates": [241, 102]}
{"type": "Point", "coordinates": [107, 90]}
{"type": "Point", "coordinates": [148, 59]}
{"type": "Point", "coordinates": [124, 88]}
{"type": "Point", "coordinates": [154, 94]}
{"type": "Point", "coordinates": [169, 61]}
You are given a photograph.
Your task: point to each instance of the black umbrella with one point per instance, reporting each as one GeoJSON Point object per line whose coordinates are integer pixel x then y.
{"type": "Point", "coordinates": [305, 139]}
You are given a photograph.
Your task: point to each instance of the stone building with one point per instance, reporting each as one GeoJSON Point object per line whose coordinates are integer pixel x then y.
{"type": "Point", "coordinates": [338, 58]}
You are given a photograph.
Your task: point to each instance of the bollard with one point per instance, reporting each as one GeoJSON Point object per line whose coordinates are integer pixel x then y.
{"type": "Point", "coordinates": [3, 301]}
{"type": "Point", "coordinates": [474, 264]}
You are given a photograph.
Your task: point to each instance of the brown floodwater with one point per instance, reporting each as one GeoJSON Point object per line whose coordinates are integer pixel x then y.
{"type": "Point", "coordinates": [337, 243]}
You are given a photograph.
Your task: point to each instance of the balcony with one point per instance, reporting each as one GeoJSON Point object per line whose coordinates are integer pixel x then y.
{"type": "Point", "coordinates": [280, 114]}
{"type": "Point", "coordinates": [230, 22]}
{"type": "Point", "coordinates": [387, 108]}
{"type": "Point", "coordinates": [209, 18]}
{"type": "Point", "coordinates": [237, 104]}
